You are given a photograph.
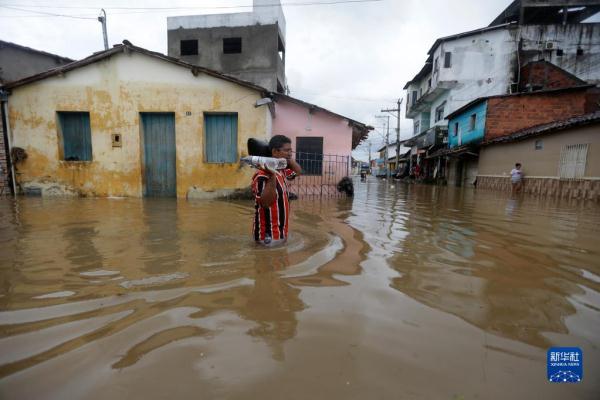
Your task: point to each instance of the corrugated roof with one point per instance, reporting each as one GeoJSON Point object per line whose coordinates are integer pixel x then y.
{"type": "Point", "coordinates": [581, 120]}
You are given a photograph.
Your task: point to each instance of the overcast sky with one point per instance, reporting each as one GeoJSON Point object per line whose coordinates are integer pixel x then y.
{"type": "Point", "coordinates": [352, 58]}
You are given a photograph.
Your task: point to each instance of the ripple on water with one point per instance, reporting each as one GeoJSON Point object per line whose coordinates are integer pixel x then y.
{"type": "Point", "coordinates": [55, 295]}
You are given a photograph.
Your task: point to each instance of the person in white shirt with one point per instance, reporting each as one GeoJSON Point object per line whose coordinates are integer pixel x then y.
{"type": "Point", "coordinates": [516, 178]}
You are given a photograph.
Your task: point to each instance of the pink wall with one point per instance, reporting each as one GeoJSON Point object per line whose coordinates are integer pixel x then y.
{"type": "Point", "coordinates": [293, 120]}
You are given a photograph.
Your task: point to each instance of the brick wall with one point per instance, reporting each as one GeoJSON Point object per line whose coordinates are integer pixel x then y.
{"type": "Point", "coordinates": [508, 114]}
{"type": "Point", "coordinates": [592, 100]}
{"type": "Point", "coordinates": [547, 76]}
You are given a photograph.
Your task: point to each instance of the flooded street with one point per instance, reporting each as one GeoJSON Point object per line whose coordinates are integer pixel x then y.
{"type": "Point", "coordinates": [403, 292]}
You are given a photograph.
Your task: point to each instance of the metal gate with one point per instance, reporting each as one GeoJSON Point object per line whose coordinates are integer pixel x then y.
{"type": "Point", "coordinates": [573, 159]}
{"type": "Point", "coordinates": [320, 176]}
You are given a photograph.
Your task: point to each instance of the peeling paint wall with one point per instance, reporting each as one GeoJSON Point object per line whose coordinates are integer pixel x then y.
{"type": "Point", "coordinates": [114, 91]}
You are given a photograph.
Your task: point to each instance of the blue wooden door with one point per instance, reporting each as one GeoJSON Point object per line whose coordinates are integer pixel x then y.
{"type": "Point", "coordinates": [158, 130]}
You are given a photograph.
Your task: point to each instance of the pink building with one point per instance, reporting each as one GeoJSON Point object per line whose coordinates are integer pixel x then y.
{"type": "Point", "coordinates": [322, 140]}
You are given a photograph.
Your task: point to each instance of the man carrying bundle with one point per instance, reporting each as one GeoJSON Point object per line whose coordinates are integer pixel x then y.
{"type": "Point", "coordinates": [271, 202]}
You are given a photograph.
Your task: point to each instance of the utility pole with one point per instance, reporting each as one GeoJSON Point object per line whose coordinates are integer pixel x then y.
{"type": "Point", "coordinates": [387, 144]}
{"type": "Point", "coordinates": [102, 20]}
{"type": "Point", "coordinates": [399, 103]}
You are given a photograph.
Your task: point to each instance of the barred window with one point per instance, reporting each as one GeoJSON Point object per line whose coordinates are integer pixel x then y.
{"type": "Point", "coordinates": [573, 158]}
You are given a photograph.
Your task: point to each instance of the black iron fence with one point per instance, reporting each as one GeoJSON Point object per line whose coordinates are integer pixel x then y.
{"type": "Point", "coordinates": [321, 174]}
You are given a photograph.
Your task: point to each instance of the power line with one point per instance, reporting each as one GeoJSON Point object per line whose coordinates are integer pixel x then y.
{"type": "Point", "coordinates": [307, 3]}
{"type": "Point", "coordinates": [47, 13]}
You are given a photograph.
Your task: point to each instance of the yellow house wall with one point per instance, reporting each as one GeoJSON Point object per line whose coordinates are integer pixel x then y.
{"type": "Point", "coordinates": [114, 92]}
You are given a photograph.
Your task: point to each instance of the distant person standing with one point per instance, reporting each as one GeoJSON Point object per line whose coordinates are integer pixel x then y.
{"type": "Point", "coordinates": [272, 207]}
{"type": "Point", "coordinates": [516, 178]}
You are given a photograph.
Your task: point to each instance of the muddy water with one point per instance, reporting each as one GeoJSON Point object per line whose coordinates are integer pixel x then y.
{"type": "Point", "coordinates": [404, 292]}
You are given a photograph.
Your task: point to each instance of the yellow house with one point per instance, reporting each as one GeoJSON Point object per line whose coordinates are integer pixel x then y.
{"type": "Point", "coordinates": [131, 122]}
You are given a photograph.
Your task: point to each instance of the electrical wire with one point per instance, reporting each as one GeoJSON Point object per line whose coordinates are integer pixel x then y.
{"type": "Point", "coordinates": [142, 10]}
{"type": "Point", "coordinates": [47, 14]}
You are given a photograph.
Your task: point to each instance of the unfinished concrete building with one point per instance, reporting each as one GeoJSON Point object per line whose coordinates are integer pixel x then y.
{"type": "Point", "coordinates": [249, 46]}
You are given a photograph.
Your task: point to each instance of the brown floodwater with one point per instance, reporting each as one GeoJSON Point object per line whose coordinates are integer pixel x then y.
{"type": "Point", "coordinates": [403, 292]}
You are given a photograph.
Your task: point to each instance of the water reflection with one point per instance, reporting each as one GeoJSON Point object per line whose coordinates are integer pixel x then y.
{"type": "Point", "coordinates": [503, 273]}
{"type": "Point", "coordinates": [160, 236]}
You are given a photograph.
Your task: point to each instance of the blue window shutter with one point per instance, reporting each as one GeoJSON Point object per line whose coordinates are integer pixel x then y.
{"type": "Point", "coordinates": [220, 137]}
{"type": "Point", "coordinates": [76, 136]}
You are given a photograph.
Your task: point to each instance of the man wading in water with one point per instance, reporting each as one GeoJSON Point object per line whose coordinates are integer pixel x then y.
{"type": "Point", "coordinates": [271, 202]}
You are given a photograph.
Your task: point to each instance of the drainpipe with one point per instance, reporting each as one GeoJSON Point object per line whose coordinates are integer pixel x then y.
{"type": "Point", "coordinates": [7, 144]}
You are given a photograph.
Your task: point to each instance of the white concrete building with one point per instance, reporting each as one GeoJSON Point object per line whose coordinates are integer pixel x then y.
{"type": "Point", "coordinates": [458, 69]}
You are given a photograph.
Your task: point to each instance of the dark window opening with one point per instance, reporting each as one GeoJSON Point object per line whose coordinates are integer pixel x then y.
{"type": "Point", "coordinates": [447, 59]}
{"type": "Point", "coordinates": [439, 112]}
{"type": "Point", "coordinates": [76, 136]}
{"type": "Point", "coordinates": [579, 51]}
{"type": "Point", "coordinates": [455, 129]}
{"type": "Point", "coordinates": [281, 49]}
{"type": "Point", "coordinates": [188, 47]}
{"type": "Point", "coordinates": [473, 122]}
{"type": "Point", "coordinates": [414, 97]}
{"type": "Point", "coordinates": [309, 154]}
{"type": "Point", "coordinates": [539, 145]}
{"type": "Point", "coordinates": [559, 52]}
{"type": "Point", "coordinates": [232, 45]}
{"type": "Point", "coordinates": [429, 83]}
{"type": "Point", "coordinates": [280, 88]}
